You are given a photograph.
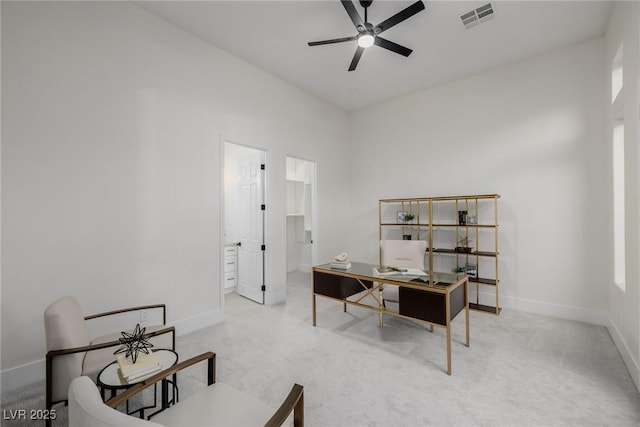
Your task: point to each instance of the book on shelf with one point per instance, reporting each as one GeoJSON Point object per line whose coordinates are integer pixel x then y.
{"type": "Point", "coordinates": [341, 265]}
{"type": "Point", "coordinates": [145, 365]}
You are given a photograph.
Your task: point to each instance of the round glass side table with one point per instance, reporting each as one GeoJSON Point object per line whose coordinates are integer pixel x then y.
{"type": "Point", "coordinates": [111, 379]}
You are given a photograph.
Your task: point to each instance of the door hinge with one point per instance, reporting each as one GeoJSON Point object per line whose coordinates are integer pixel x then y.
{"type": "Point", "coordinates": [264, 288]}
{"type": "Point", "coordinates": [263, 207]}
{"type": "Point", "coordinates": [263, 247]}
{"type": "Point", "coordinates": [262, 166]}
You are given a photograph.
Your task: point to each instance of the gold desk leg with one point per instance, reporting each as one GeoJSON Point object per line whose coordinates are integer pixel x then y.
{"type": "Point", "coordinates": [380, 307]}
{"type": "Point", "coordinates": [466, 307]}
{"type": "Point", "coordinates": [314, 309]}
{"type": "Point", "coordinates": [448, 326]}
{"type": "Point", "coordinates": [449, 349]}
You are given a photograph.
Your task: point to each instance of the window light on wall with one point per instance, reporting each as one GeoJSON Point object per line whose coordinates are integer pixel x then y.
{"type": "Point", "coordinates": [616, 75]}
{"type": "Point", "coordinates": [618, 206]}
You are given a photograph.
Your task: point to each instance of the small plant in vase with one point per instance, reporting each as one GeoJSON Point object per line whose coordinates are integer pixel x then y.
{"type": "Point", "coordinates": [408, 217]}
{"type": "Point", "coordinates": [464, 245]}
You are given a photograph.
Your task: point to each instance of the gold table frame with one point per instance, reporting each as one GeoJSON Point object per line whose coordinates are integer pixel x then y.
{"type": "Point", "coordinates": [356, 280]}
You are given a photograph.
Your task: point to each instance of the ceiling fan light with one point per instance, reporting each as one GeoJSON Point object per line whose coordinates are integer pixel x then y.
{"type": "Point", "coordinates": [365, 40]}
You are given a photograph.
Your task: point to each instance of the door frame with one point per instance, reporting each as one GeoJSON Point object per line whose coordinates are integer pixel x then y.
{"type": "Point", "coordinates": [314, 207]}
{"type": "Point", "coordinates": [266, 270]}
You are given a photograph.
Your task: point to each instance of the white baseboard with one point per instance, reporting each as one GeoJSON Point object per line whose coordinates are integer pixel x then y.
{"type": "Point", "coordinates": [199, 321]}
{"type": "Point", "coordinates": [20, 376]}
{"type": "Point", "coordinates": [632, 364]}
{"type": "Point", "coordinates": [579, 314]}
{"type": "Point", "coordinates": [33, 372]}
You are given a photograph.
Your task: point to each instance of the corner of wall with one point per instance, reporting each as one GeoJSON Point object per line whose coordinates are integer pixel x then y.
{"type": "Point", "coordinates": [627, 356]}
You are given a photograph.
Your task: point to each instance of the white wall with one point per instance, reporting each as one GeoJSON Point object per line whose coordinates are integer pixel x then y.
{"type": "Point", "coordinates": [624, 306]}
{"type": "Point", "coordinates": [531, 132]}
{"type": "Point", "coordinates": [112, 120]}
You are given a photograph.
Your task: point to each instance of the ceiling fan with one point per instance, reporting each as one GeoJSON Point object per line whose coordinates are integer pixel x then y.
{"type": "Point", "coordinates": [368, 34]}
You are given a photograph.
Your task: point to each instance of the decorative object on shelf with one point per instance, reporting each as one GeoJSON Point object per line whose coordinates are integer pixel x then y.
{"type": "Point", "coordinates": [341, 262]}
{"type": "Point", "coordinates": [406, 237]}
{"type": "Point", "coordinates": [133, 343]}
{"type": "Point", "coordinates": [462, 217]}
{"type": "Point", "coordinates": [471, 270]}
{"type": "Point", "coordinates": [405, 217]}
{"type": "Point", "coordinates": [461, 269]}
{"type": "Point", "coordinates": [471, 220]}
{"type": "Point", "coordinates": [463, 245]}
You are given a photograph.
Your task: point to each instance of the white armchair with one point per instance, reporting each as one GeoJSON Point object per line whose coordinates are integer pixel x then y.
{"type": "Point", "coordinates": [72, 353]}
{"type": "Point", "coordinates": [403, 254]}
{"type": "Point", "coordinates": [216, 405]}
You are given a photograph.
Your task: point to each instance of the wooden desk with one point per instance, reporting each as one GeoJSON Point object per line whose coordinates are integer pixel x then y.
{"type": "Point", "coordinates": [436, 303]}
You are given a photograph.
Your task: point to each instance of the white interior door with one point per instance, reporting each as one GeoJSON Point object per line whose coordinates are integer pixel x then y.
{"type": "Point", "coordinates": [251, 212]}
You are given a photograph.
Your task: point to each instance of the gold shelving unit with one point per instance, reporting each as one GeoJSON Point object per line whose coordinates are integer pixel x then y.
{"type": "Point", "coordinates": [439, 221]}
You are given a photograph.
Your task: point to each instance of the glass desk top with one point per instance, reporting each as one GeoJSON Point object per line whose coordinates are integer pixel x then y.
{"type": "Point", "coordinates": [370, 272]}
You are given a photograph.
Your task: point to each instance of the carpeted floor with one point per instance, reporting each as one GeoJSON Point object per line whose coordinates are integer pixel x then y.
{"type": "Point", "coordinates": [520, 370]}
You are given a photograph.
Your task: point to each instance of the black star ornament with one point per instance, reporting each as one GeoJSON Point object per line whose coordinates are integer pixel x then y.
{"type": "Point", "coordinates": [133, 343]}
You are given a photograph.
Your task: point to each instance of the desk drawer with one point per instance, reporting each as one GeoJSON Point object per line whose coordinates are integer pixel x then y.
{"type": "Point", "coordinates": [230, 279]}
{"type": "Point", "coordinates": [230, 263]}
{"type": "Point", "coordinates": [430, 306]}
{"type": "Point", "coordinates": [337, 286]}
{"type": "Point", "coordinates": [230, 251]}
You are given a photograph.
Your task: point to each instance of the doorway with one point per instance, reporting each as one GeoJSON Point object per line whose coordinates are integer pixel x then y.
{"type": "Point", "coordinates": [301, 208]}
{"type": "Point", "coordinates": [244, 219]}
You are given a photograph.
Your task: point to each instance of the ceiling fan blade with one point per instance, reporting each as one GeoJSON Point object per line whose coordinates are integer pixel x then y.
{"type": "Point", "coordinates": [356, 58]}
{"type": "Point", "coordinates": [353, 13]}
{"type": "Point", "coordinates": [394, 47]}
{"type": "Point", "coordinates": [343, 39]}
{"type": "Point", "coordinates": [400, 16]}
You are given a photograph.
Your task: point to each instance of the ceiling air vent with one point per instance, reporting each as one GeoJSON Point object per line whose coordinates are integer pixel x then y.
{"type": "Point", "coordinates": [477, 16]}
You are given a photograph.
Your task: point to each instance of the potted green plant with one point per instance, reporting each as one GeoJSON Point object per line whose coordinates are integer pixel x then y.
{"type": "Point", "coordinates": [408, 217]}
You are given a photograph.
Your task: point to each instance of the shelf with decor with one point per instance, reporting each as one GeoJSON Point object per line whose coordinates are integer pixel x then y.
{"type": "Point", "coordinates": [461, 234]}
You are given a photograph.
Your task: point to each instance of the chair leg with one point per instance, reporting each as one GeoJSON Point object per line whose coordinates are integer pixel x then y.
{"type": "Point", "coordinates": [298, 413]}
{"type": "Point", "coordinates": [48, 390]}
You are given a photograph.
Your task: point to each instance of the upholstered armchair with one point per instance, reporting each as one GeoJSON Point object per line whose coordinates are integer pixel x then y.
{"type": "Point", "coordinates": [403, 254]}
{"type": "Point", "coordinates": [215, 405]}
{"type": "Point", "coordinates": [71, 353]}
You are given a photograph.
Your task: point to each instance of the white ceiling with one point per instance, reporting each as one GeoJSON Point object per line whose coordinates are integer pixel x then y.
{"type": "Point", "coordinates": [273, 35]}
